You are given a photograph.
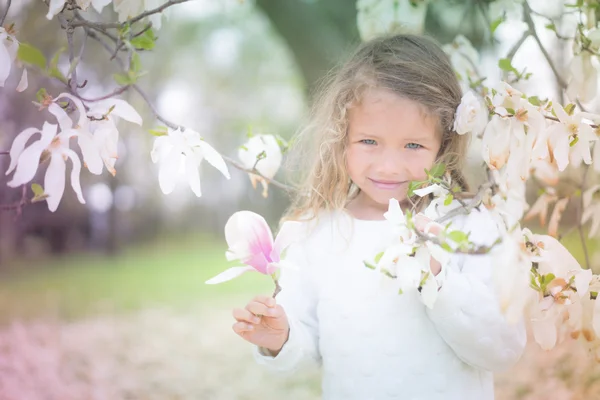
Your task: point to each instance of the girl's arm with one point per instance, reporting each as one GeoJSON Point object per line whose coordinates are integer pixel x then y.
{"type": "Point", "coordinates": [298, 298]}
{"type": "Point", "coordinates": [467, 313]}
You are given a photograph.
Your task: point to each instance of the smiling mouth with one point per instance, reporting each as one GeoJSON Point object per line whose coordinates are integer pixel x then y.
{"type": "Point", "coordinates": [387, 184]}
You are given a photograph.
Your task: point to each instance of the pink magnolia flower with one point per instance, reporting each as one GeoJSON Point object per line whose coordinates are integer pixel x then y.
{"type": "Point", "coordinates": [251, 242]}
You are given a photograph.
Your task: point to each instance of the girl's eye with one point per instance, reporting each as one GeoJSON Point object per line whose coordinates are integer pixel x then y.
{"type": "Point", "coordinates": [413, 146]}
{"type": "Point", "coordinates": [368, 141]}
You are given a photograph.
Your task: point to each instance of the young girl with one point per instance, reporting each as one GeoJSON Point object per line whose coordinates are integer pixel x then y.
{"type": "Point", "coordinates": [386, 117]}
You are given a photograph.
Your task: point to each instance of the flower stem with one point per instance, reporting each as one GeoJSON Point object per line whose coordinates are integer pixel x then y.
{"type": "Point", "coordinates": [277, 288]}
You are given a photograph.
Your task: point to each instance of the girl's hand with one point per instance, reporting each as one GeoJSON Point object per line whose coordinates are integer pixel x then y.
{"type": "Point", "coordinates": [263, 323]}
{"type": "Point", "coordinates": [427, 225]}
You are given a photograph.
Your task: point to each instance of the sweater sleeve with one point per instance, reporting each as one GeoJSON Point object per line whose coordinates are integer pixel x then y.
{"type": "Point", "coordinates": [298, 297]}
{"type": "Point", "coordinates": [467, 313]}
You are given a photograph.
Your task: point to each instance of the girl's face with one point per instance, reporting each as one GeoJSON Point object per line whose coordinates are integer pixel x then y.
{"type": "Point", "coordinates": [390, 143]}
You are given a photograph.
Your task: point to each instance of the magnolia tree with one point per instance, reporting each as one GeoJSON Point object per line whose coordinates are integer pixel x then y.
{"type": "Point", "coordinates": [524, 140]}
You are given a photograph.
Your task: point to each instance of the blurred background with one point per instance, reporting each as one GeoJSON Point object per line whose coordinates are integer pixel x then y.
{"type": "Point", "coordinates": [107, 300]}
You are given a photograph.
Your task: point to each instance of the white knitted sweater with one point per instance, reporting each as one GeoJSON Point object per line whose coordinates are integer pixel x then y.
{"type": "Point", "coordinates": [374, 343]}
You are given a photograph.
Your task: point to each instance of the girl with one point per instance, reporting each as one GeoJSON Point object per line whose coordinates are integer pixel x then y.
{"type": "Point", "coordinates": [385, 118]}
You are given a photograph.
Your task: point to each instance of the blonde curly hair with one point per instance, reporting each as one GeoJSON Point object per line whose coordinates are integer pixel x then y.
{"type": "Point", "coordinates": [413, 67]}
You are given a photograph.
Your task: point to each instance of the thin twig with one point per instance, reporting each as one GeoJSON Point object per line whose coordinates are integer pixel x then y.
{"type": "Point", "coordinates": [513, 51]}
{"type": "Point", "coordinates": [4, 153]}
{"type": "Point", "coordinates": [579, 225]}
{"type": "Point", "coordinates": [174, 126]}
{"type": "Point", "coordinates": [156, 10]}
{"type": "Point", "coordinates": [114, 93]}
{"type": "Point", "coordinates": [531, 25]}
{"type": "Point", "coordinates": [18, 206]}
{"type": "Point", "coordinates": [5, 13]}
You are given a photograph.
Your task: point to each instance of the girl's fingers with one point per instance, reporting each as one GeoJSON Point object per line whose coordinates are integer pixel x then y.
{"type": "Point", "coordinates": [257, 308]}
{"type": "Point", "coordinates": [243, 315]}
{"type": "Point", "coordinates": [266, 300]}
{"type": "Point", "coordinates": [242, 327]}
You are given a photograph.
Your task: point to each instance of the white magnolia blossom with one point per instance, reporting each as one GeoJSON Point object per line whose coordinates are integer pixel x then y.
{"type": "Point", "coordinates": [9, 46]}
{"type": "Point", "coordinates": [56, 6]}
{"type": "Point", "coordinates": [25, 162]}
{"type": "Point", "coordinates": [263, 153]}
{"type": "Point", "coordinates": [571, 137]}
{"type": "Point", "coordinates": [181, 153]}
{"type": "Point", "coordinates": [511, 274]}
{"type": "Point", "coordinates": [583, 78]}
{"type": "Point", "coordinates": [471, 115]}
{"type": "Point", "coordinates": [380, 17]}
{"type": "Point", "coordinates": [96, 131]}
{"type": "Point", "coordinates": [464, 59]}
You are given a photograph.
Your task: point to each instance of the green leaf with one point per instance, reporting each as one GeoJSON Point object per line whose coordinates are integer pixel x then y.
{"type": "Point", "coordinates": [535, 101]}
{"type": "Point", "coordinates": [438, 170]}
{"type": "Point", "coordinates": [448, 200]}
{"type": "Point", "coordinates": [457, 236]}
{"type": "Point", "coordinates": [510, 111]}
{"type": "Point", "coordinates": [551, 27]}
{"type": "Point", "coordinates": [574, 141]}
{"type": "Point", "coordinates": [37, 189]}
{"type": "Point", "coordinates": [31, 55]}
{"type": "Point", "coordinates": [159, 131]}
{"type": "Point", "coordinates": [494, 25]}
{"type": "Point", "coordinates": [506, 65]}
{"type": "Point", "coordinates": [369, 265]}
{"type": "Point", "coordinates": [447, 247]}
{"type": "Point", "coordinates": [378, 257]}
{"type": "Point", "coordinates": [123, 79]}
{"type": "Point", "coordinates": [145, 41]}
{"type": "Point", "coordinates": [570, 108]}
{"type": "Point", "coordinates": [136, 64]}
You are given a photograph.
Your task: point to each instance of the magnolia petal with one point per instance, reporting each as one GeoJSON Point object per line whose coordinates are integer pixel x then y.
{"type": "Point", "coordinates": [162, 146]}
{"type": "Point", "coordinates": [228, 275]}
{"type": "Point", "coordinates": [436, 189]}
{"type": "Point", "coordinates": [248, 233]}
{"type": "Point", "coordinates": [91, 154]}
{"type": "Point", "coordinates": [582, 281]}
{"type": "Point", "coordinates": [559, 208]}
{"type": "Point", "coordinates": [214, 158]}
{"type": "Point", "coordinates": [23, 83]}
{"type": "Point", "coordinates": [63, 119]}
{"type": "Point", "coordinates": [429, 291]}
{"type": "Point", "coordinates": [55, 7]}
{"type": "Point", "coordinates": [394, 213]}
{"type": "Point", "coordinates": [169, 170]}
{"type": "Point", "coordinates": [54, 181]}
{"type": "Point", "coordinates": [83, 121]}
{"type": "Point", "coordinates": [191, 171]}
{"type": "Point", "coordinates": [19, 145]}
{"type": "Point", "coordinates": [561, 152]}
{"type": "Point", "coordinates": [75, 172]}
{"type": "Point", "coordinates": [596, 317]}
{"type": "Point", "coordinates": [120, 108]}
{"type": "Point", "coordinates": [289, 232]}
{"type": "Point", "coordinates": [561, 113]}
{"type": "Point", "coordinates": [29, 159]}
{"type": "Point", "coordinates": [544, 332]}
{"type": "Point", "coordinates": [5, 63]}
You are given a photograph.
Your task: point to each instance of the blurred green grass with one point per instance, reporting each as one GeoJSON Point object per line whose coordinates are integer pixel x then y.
{"type": "Point", "coordinates": [169, 272]}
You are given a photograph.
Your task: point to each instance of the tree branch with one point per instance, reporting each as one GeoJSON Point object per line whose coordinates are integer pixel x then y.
{"type": "Point", "coordinates": [531, 25]}
{"type": "Point", "coordinates": [18, 206]}
{"type": "Point", "coordinates": [156, 10]}
{"type": "Point", "coordinates": [4, 153]}
{"type": "Point", "coordinates": [3, 18]}
{"type": "Point", "coordinates": [579, 225]}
